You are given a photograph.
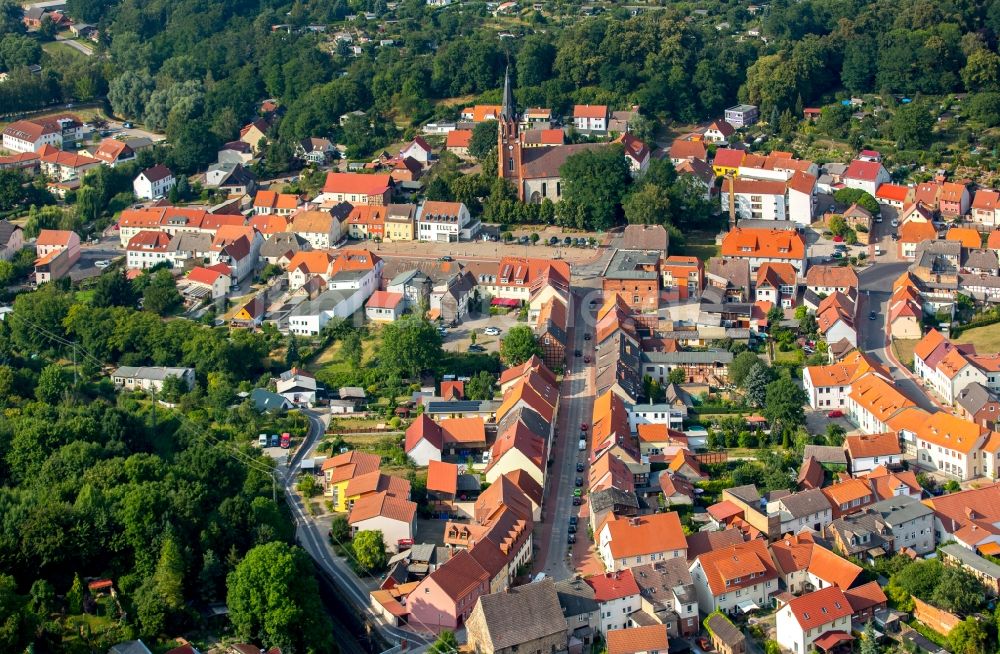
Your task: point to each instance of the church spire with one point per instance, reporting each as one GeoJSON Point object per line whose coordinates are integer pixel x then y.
{"type": "Point", "coordinates": [508, 110]}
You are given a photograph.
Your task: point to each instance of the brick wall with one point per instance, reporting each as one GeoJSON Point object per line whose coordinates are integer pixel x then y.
{"type": "Point", "coordinates": [937, 619]}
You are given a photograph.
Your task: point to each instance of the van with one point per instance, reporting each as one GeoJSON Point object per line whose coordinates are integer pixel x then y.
{"type": "Point", "coordinates": [262, 440]}
{"type": "Point", "coordinates": [878, 250]}
{"type": "Point", "coordinates": [583, 444]}
{"type": "Point", "coordinates": [274, 440]}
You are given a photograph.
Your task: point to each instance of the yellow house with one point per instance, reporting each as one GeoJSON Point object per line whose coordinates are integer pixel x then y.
{"type": "Point", "coordinates": [727, 161]}
{"type": "Point", "coordinates": [338, 471]}
{"type": "Point", "coordinates": [399, 222]}
{"type": "Point", "coordinates": [252, 133]}
{"type": "Point", "coordinates": [372, 483]}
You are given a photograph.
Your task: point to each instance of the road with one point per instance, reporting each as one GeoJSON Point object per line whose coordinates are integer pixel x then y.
{"type": "Point", "coordinates": [876, 288]}
{"type": "Point", "coordinates": [76, 45]}
{"type": "Point", "coordinates": [313, 538]}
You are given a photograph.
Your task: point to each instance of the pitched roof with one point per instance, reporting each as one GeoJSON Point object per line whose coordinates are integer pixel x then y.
{"type": "Point", "coordinates": [110, 150]}
{"type": "Point", "coordinates": [613, 585]}
{"type": "Point", "coordinates": [870, 445]}
{"type": "Point", "coordinates": [763, 243]}
{"type": "Point", "coordinates": [968, 236]}
{"type": "Point", "coordinates": [951, 432]}
{"type": "Point", "coordinates": [384, 300]}
{"type": "Point", "coordinates": [459, 576]}
{"type": "Point", "coordinates": [722, 567]}
{"type": "Point", "coordinates": [820, 607]}
{"type": "Point", "coordinates": [423, 428]}
{"type": "Point", "coordinates": [776, 275]}
{"type": "Point", "coordinates": [986, 200]}
{"type": "Point", "coordinates": [463, 430]}
{"type": "Point", "coordinates": [659, 532]}
{"type": "Point", "coordinates": [684, 149]}
{"type": "Point", "coordinates": [863, 170]}
{"type": "Point", "coordinates": [345, 466]}
{"type": "Point", "coordinates": [376, 482]}
{"type": "Point", "coordinates": [811, 474]}
{"type": "Point", "coordinates": [865, 596]}
{"type": "Point", "coordinates": [458, 138]}
{"type": "Point", "coordinates": [930, 342]}
{"type": "Point", "coordinates": [356, 183]}
{"type": "Point", "coordinates": [522, 614]}
{"type": "Point", "coordinates": [383, 505]}
{"type": "Point", "coordinates": [831, 276]}
{"type": "Point", "coordinates": [650, 638]}
{"type": "Point", "coordinates": [442, 477]}
{"type": "Point", "coordinates": [917, 232]}
{"type": "Point", "coordinates": [202, 275]}
{"type": "Point", "coordinates": [728, 158]}
{"type": "Point", "coordinates": [590, 111]}
{"type": "Point", "coordinates": [893, 192]}
{"type": "Point", "coordinates": [879, 397]}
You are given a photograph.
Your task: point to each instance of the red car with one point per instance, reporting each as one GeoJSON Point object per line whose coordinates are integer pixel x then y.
{"type": "Point", "coordinates": [583, 426]}
{"type": "Point", "coordinates": [704, 644]}
{"type": "Point", "coordinates": [836, 413]}
{"type": "Point", "coordinates": [586, 359]}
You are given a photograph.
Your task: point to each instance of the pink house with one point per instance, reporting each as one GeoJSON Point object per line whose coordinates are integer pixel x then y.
{"type": "Point", "coordinates": [953, 199]}
{"type": "Point", "coordinates": [445, 598]}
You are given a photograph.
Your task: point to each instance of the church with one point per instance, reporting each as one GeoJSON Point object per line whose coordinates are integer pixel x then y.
{"type": "Point", "coordinates": [534, 171]}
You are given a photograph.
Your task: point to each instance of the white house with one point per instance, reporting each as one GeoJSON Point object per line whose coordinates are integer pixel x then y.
{"type": "Point", "coordinates": [719, 132]}
{"type": "Point", "coordinates": [153, 182]}
{"type": "Point", "coordinates": [297, 387]}
{"type": "Point", "coordinates": [865, 175]}
{"type": "Point", "coordinates": [629, 542]}
{"type": "Point", "coordinates": [617, 596]}
{"type": "Point", "coordinates": [590, 117]}
{"type": "Point", "coordinates": [869, 451]}
{"type": "Point", "coordinates": [757, 199]}
{"type": "Point", "coordinates": [419, 150]}
{"type": "Point", "coordinates": [384, 306]}
{"type": "Point", "coordinates": [150, 377]}
{"type": "Point", "coordinates": [822, 617]}
{"type": "Point", "coordinates": [444, 221]}
{"type": "Point", "coordinates": [311, 316]}
{"type": "Point", "coordinates": [738, 577]}
{"type": "Point", "coordinates": [801, 197]}
{"type": "Point", "coordinates": [30, 136]}
{"type": "Point", "coordinates": [394, 516]}
{"type": "Point", "coordinates": [873, 401]}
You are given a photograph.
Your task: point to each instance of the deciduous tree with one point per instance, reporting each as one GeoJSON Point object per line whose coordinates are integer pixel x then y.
{"type": "Point", "coordinates": [518, 346]}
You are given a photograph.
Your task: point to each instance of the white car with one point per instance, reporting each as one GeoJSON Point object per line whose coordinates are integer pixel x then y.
{"type": "Point", "coordinates": [103, 263]}
{"type": "Point", "coordinates": [492, 331]}
{"type": "Point", "coordinates": [895, 223]}
{"type": "Point", "coordinates": [582, 445]}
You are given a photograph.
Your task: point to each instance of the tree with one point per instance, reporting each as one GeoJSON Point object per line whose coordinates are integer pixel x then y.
{"type": "Point", "coordinates": [51, 384]}
{"type": "Point", "coordinates": [912, 125]}
{"type": "Point", "coordinates": [351, 349]}
{"type": "Point", "coordinates": [480, 386]}
{"type": "Point", "coordinates": [775, 315]}
{"type": "Point", "coordinates": [783, 404]}
{"type": "Point", "coordinates": [484, 139]}
{"type": "Point", "coordinates": [113, 289]}
{"type": "Point", "coordinates": [74, 598]}
{"type": "Point", "coordinates": [593, 185]}
{"type": "Point", "coordinates": [985, 108]}
{"type": "Point", "coordinates": [676, 376]}
{"type": "Point", "coordinates": [446, 643]}
{"type": "Point", "coordinates": [410, 345]}
{"type": "Point", "coordinates": [340, 530]}
{"type": "Point", "coordinates": [169, 575]}
{"type": "Point", "coordinates": [869, 644]}
{"type": "Point", "coordinates": [369, 551]}
{"type": "Point", "coordinates": [957, 591]}
{"type": "Point", "coordinates": [982, 71]}
{"type": "Point", "coordinates": [129, 93]}
{"type": "Point", "coordinates": [648, 205]}
{"type": "Point", "coordinates": [292, 353]}
{"type": "Point", "coordinates": [755, 384]}
{"type": "Point", "coordinates": [518, 346]}
{"type": "Point", "coordinates": [273, 599]}
{"type": "Point", "coordinates": [740, 367]}
{"type": "Point", "coordinates": [161, 295]}
{"type": "Point", "coordinates": [969, 637]}
{"type": "Point", "coordinates": [848, 196]}
{"type": "Point", "coordinates": [210, 577]}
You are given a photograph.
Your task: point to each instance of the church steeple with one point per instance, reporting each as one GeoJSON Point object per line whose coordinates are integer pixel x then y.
{"type": "Point", "coordinates": [508, 111]}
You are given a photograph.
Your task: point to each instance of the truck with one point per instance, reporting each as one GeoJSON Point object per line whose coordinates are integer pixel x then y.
{"type": "Point", "coordinates": [286, 440]}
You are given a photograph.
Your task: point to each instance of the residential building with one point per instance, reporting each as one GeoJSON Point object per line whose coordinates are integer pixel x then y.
{"type": "Point", "coordinates": [737, 577]}
{"type": "Point", "coordinates": [700, 367]}
{"type": "Point", "coordinates": [967, 515]}
{"type": "Point", "coordinates": [64, 166]}
{"type": "Point", "coordinates": [318, 226]}
{"type": "Point", "coordinates": [873, 401]}
{"type": "Point", "coordinates": [340, 469]}
{"type": "Point", "coordinates": [776, 283]}
{"type": "Point", "coordinates": [590, 118]}
{"type": "Point", "coordinates": [685, 149]}
{"type": "Point", "coordinates": [150, 378]}
{"type": "Point", "coordinates": [481, 113]}
{"type": "Point", "coordinates": [951, 445]}
{"type": "Point", "coordinates": [849, 496]}
{"type": "Point", "coordinates": [953, 199]}
{"type": "Point", "coordinates": [760, 246]}
{"type": "Point", "coordinates": [827, 387]}
{"type": "Point", "coordinates": [457, 142]}
{"type": "Point", "coordinates": [230, 178]}
{"type": "Point", "coordinates": [894, 195]}
{"type": "Point", "coordinates": [266, 203]}
{"type": "Point", "coordinates": [419, 150]}
{"type": "Point", "coordinates": [634, 276]}
{"type": "Point", "coordinates": [445, 221]}
{"type": "Point", "coordinates": [867, 176]}
{"type": "Point", "coordinates": [742, 115]}
{"type": "Point", "coordinates": [212, 281]}
{"type": "Point", "coordinates": [400, 222]}
{"type": "Point", "coordinates": [755, 199]}
{"type": "Point", "coordinates": [356, 188]}
{"type": "Point", "coordinates": [317, 151]}
{"type": "Point", "coordinates": [869, 451]}
{"type": "Point", "coordinates": [808, 509]}
{"type": "Point", "coordinates": [681, 277]}
{"type": "Point", "coordinates": [551, 331]}
{"type": "Point", "coordinates": [254, 132]}
{"type": "Point", "coordinates": [985, 570]}
{"type": "Point", "coordinates": [366, 221]}
{"type": "Point", "coordinates": [979, 404]}
{"type": "Point", "coordinates": [153, 182]}
{"type": "Point", "coordinates": [719, 132]}
{"type": "Point", "coordinates": [32, 136]}
{"type": "Point", "coordinates": [446, 597]}
{"type": "Point", "coordinates": [628, 542]}
{"type": "Point", "coordinates": [526, 618]}
{"type": "Point", "coordinates": [668, 595]}
{"type": "Point", "coordinates": [636, 152]}
{"type": "Point", "coordinates": [819, 619]}
{"type": "Point", "coordinates": [581, 610]}
{"type": "Point", "coordinates": [11, 239]}
{"type": "Point", "coordinates": [617, 596]}
{"type": "Point", "coordinates": [647, 639]}
{"type": "Point", "coordinates": [57, 251]}
{"type": "Point", "coordinates": [986, 208]}
{"type": "Point", "coordinates": [803, 565]}
{"type": "Point", "coordinates": [910, 521]}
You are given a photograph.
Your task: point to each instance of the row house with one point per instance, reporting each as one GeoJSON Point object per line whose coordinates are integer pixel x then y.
{"type": "Point", "coordinates": [954, 446]}
{"type": "Point", "coordinates": [356, 188]}
{"type": "Point", "coordinates": [967, 516]}
{"type": "Point", "coordinates": [738, 577]}
{"type": "Point", "coordinates": [979, 404]}
{"type": "Point", "coordinates": [629, 542]}
{"type": "Point", "coordinates": [827, 387]}
{"type": "Point", "coordinates": [827, 280]}
{"type": "Point", "coordinates": [986, 208]}
{"type": "Point", "coordinates": [776, 283]}
{"type": "Point", "coordinates": [836, 318]}
{"type": "Point", "coordinates": [760, 246]}
{"type": "Point", "coordinates": [173, 221]}
{"type": "Point", "coordinates": [873, 401]}
{"type": "Point", "coordinates": [322, 228]}
{"type": "Point", "coordinates": [894, 195]}
{"type": "Point", "coordinates": [804, 566]}
{"type": "Point", "coordinates": [866, 452]}
{"type": "Point", "coordinates": [63, 166]}
{"type": "Point", "coordinates": [618, 596]}
{"type": "Point", "coordinates": [147, 249]}
{"type": "Point", "coordinates": [400, 221]}
{"type": "Point", "coordinates": [551, 331]}
{"type": "Point", "coordinates": [817, 620]}
{"type": "Point", "coordinates": [266, 203]}
{"type": "Point", "coordinates": [951, 199]}
{"type": "Point", "coordinates": [366, 221]}
{"type": "Point", "coordinates": [682, 277]}
{"type": "Point", "coordinates": [667, 594]}
{"type": "Point", "coordinates": [634, 276]}
{"type": "Point", "coordinates": [445, 222]}
{"type": "Point", "coordinates": [515, 278]}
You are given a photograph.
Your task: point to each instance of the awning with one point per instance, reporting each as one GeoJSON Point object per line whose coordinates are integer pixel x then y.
{"type": "Point", "coordinates": [746, 606]}
{"type": "Point", "coordinates": [505, 302]}
{"type": "Point", "coordinates": [831, 639]}
{"type": "Point", "coordinates": [876, 551]}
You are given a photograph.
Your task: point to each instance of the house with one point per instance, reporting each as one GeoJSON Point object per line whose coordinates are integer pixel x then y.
{"type": "Point", "coordinates": [967, 515]}
{"type": "Point", "coordinates": [550, 332]}
{"type": "Point", "coordinates": [862, 535]}
{"type": "Point", "coordinates": [517, 448]}
{"type": "Point", "coordinates": [945, 367]}
{"type": "Point", "coordinates": [986, 208]}
{"type": "Point", "coordinates": [384, 306]}
{"type": "Point", "coordinates": [525, 618]}
{"type": "Point", "coordinates": [668, 595]}
{"type": "Point", "coordinates": [648, 639]}
{"type": "Point", "coordinates": [339, 470]}
{"type": "Point", "coordinates": [251, 314]}
{"type": "Point", "coordinates": [11, 239]}
{"type": "Point", "coordinates": [590, 118]}
{"type": "Point", "coordinates": [57, 251]}
{"type": "Point", "coordinates": [265, 401]}
{"type": "Point", "coordinates": [985, 570]}
{"type": "Point", "coordinates": [725, 636]}
{"type": "Point", "coordinates": [731, 277]}
{"type": "Point", "coordinates": [617, 596]}
{"type": "Point", "coordinates": [230, 178]}
{"type": "Point", "coordinates": [633, 275]}
{"type": "Point", "coordinates": [394, 516]}
{"type": "Point", "coordinates": [213, 281]}
{"type": "Point", "coordinates": [627, 542]}
{"type": "Point", "coordinates": [849, 496]}
{"type": "Point", "coordinates": [979, 404]}
{"type": "Point", "coordinates": [253, 133]}
{"type": "Point", "coordinates": [913, 234]}
{"type": "Point", "coordinates": [719, 132]}
{"type": "Point", "coordinates": [266, 203]}
{"type": "Point", "coordinates": [828, 387]}
{"type": "Point", "coordinates": [803, 565]}
{"type": "Point", "coordinates": [682, 277]}
{"type": "Point", "coordinates": [32, 136]}
{"type": "Point", "coordinates": [581, 610]}
{"type": "Point", "coordinates": [873, 401]}
{"type": "Point", "coordinates": [64, 166]}
{"type": "Point", "coordinates": [442, 485]}
{"type": "Point", "coordinates": [419, 150]}
{"type": "Point", "coordinates": [457, 142]}
{"type": "Point", "coordinates": [445, 222]}
{"type": "Point", "coordinates": [446, 597]}
{"type": "Point", "coordinates": [808, 509]}
{"type": "Point", "coordinates": [235, 152]}
{"type": "Point", "coordinates": [948, 444]}
{"type": "Point", "coordinates": [481, 113]}
{"type": "Point", "coordinates": [317, 151]}
{"type": "Point", "coordinates": [150, 378]}
{"type": "Point", "coordinates": [967, 236]}
{"type": "Point", "coordinates": [297, 386]}
{"type": "Point", "coordinates": [869, 451]}
{"type": "Point", "coordinates": [319, 227]}
{"type": "Point", "coordinates": [754, 199]}
{"type": "Point", "coordinates": [309, 317]}
{"type": "Point", "coordinates": [826, 279]}
{"type": "Point", "coordinates": [153, 182]}
{"type": "Point", "coordinates": [910, 521]}
{"type": "Point", "coordinates": [759, 246]}
{"type": "Point", "coordinates": [821, 619]}
{"type": "Point", "coordinates": [400, 221]}
{"type": "Point", "coordinates": [894, 195]}
{"type": "Point", "coordinates": [737, 577]}
{"type": "Point", "coordinates": [701, 173]}
{"type": "Point", "coordinates": [366, 222]}
{"type": "Point", "coordinates": [728, 161]}
{"type": "Point", "coordinates": [742, 115]}
{"type": "Point", "coordinates": [700, 367]}
{"type": "Point", "coordinates": [685, 150]}
{"type": "Point", "coordinates": [636, 152]}
{"type": "Point", "coordinates": [776, 283]}
{"type": "Point", "coordinates": [357, 188]}
{"type": "Point", "coordinates": [953, 199]}
{"type": "Point", "coordinates": [866, 176]}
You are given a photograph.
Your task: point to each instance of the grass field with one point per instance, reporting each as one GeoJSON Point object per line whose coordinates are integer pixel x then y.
{"type": "Point", "coordinates": [986, 339]}
{"type": "Point", "coordinates": [701, 245]}
{"type": "Point", "coordinates": [60, 47]}
{"type": "Point", "coordinates": [903, 348]}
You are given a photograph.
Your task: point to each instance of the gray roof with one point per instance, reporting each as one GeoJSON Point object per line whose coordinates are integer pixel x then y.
{"type": "Point", "coordinates": [805, 503]}
{"type": "Point", "coordinates": [648, 237]}
{"type": "Point", "coordinates": [529, 417]}
{"type": "Point", "coordinates": [859, 524]}
{"type": "Point", "coordinates": [400, 212]}
{"type": "Point", "coordinates": [265, 400]}
{"type": "Point", "coordinates": [674, 394]}
{"type": "Point", "coordinates": [190, 242]}
{"type": "Point", "coordinates": [609, 498]}
{"type": "Point", "coordinates": [282, 243]}
{"type": "Point", "coordinates": [980, 258]}
{"type": "Point", "coordinates": [463, 406]}
{"type": "Point", "coordinates": [972, 560]}
{"type": "Point", "coordinates": [352, 392]}
{"type": "Point", "coordinates": [576, 597]}
{"type": "Point", "coordinates": [7, 228]}
{"type": "Point", "coordinates": [130, 647]}
{"type": "Point", "coordinates": [747, 493]}
{"type": "Point", "coordinates": [153, 373]}
{"type": "Point", "coordinates": [325, 301]}
{"type": "Point", "coordinates": [990, 281]}
{"type": "Point", "coordinates": [902, 508]}
{"type": "Point", "coordinates": [825, 454]}
{"type": "Point", "coordinates": [783, 225]}
{"type": "Point", "coordinates": [695, 357]}
{"type": "Point", "coordinates": [629, 264]}
{"type": "Point", "coordinates": [974, 397]}
{"type": "Point", "coordinates": [522, 614]}
{"type": "Point", "coordinates": [439, 272]}
{"type": "Point", "coordinates": [724, 630]}
{"type": "Point", "coordinates": [660, 580]}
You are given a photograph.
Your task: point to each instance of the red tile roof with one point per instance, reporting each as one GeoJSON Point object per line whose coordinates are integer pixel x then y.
{"type": "Point", "coordinates": [459, 138]}
{"type": "Point", "coordinates": [590, 111]}
{"type": "Point", "coordinates": [651, 638]}
{"type": "Point", "coordinates": [442, 477]}
{"type": "Point", "coordinates": [613, 585]}
{"type": "Point", "coordinates": [869, 445]}
{"type": "Point", "coordinates": [659, 532]}
{"type": "Point", "coordinates": [863, 170]}
{"type": "Point", "coordinates": [383, 505]}
{"type": "Point", "coordinates": [820, 607]}
{"type": "Point", "coordinates": [356, 183]}
{"type": "Point", "coordinates": [384, 300]}
{"type": "Point", "coordinates": [737, 562]}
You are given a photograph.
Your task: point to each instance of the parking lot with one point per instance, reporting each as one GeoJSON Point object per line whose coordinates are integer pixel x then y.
{"type": "Point", "coordinates": [458, 339]}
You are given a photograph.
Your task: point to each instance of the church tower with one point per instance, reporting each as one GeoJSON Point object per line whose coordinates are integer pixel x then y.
{"type": "Point", "coordinates": [509, 142]}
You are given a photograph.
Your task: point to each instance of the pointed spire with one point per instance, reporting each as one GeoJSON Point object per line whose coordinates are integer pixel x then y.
{"type": "Point", "coordinates": [508, 110]}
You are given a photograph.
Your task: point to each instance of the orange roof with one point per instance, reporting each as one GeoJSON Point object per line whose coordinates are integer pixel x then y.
{"type": "Point", "coordinates": [868, 445]}
{"type": "Point", "coordinates": [459, 138]}
{"type": "Point", "coordinates": [352, 259]}
{"type": "Point", "coordinates": [847, 491]}
{"type": "Point", "coordinates": [313, 220]}
{"type": "Point", "coordinates": [384, 300]}
{"type": "Point", "coordinates": [57, 237]}
{"type": "Point", "coordinates": [345, 466]}
{"type": "Point", "coordinates": [956, 509]}
{"type": "Point", "coordinates": [463, 430]}
{"type": "Point", "coordinates": [879, 397]}
{"type": "Point", "coordinates": [763, 243]}
{"type": "Point", "coordinates": [590, 111]}
{"type": "Point", "coordinates": [993, 242]}
{"type": "Point", "coordinates": [951, 432]}
{"type": "Point", "coordinates": [648, 534]}
{"type": "Point", "coordinates": [383, 505]}
{"type": "Point", "coordinates": [863, 170]}
{"type": "Point", "coordinates": [987, 200]}
{"type": "Point", "coordinates": [967, 236]}
{"type": "Point", "coordinates": [917, 232]}
{"type": "Point", "coordinates": [728, 158]}
{"type": "Point", "coordinates": [926, 193]}
{"type": "Point", "coordinates": [313, 262]}
{"type": "Point", "coordinates": [930, 342]}
{"type": "Point", "coordinates": [519, 437]}
{"type": "Point", "coordinates": [534, 391]}
{"type": "Point", "coordinates": [819, 608]}
{"type": "Point", "coordinates": [776, 275]}
{"type": "Point", "coordinates": [203, 275]}
{"type": "Point", "coordinates": [651, 638]}
{"type": "Point", "coordinates": [832, 277]}
{"type": "Point", "coordinates": [684, 149]}
{"type": "Point", "coordinates": [534, 363]}
{"type": "Point", "coordinates": [356, 183]}
{"type": "Point", "coordinates": [367, 214]}
{"type": "Point", "coordinates": [275, 200]}
{"type": "Point", "coordinates": [738, 561]}
{"type": "Point", "coordinates": [442, 477]}
{"type": "Point", "coordinates": [660, 433]}
{"type": "Point", "coordinates": [952, 192]}
{"type": "Point", "coordinates": [148, 241]}
{"type": "Point", "coordinates": [613, 585]}
{"type": "Point", "coordinates": [376, 482]}
{"type": "Point", "coordinates": [110, 150]}
{"type": "Point", "coordinates": [851, 367]}
{"type": "Point", "coordinates": [893, 192]}
{"type": "Point", "coordinates": [909, 419]}
{"type": "Point", "coordinates": [482, 112]}
{"type": "Point", "coordinates": [952, 363]}
{"type": "Point", "coordinates": [268, 224]}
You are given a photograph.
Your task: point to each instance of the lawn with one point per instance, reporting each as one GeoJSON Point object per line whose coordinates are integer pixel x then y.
{"type": "Point", "coordinates": [701, 245]}
{"type": "Point", "coordinates": [60, 47]}
{"type": "Point", "coordinates": [903, 348]}
{"type": "Point", "coordinates": [986, 339]}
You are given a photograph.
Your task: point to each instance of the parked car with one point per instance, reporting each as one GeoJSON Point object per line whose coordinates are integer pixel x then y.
{"type": "Point", "coordinates": [582, 445]}
{"type": "Point", "coordinates": [577, 492]}
{"type": "Point", "coordinates": [586, 337]}
{"type": "Point", "coordinates": [286, 440]}
{"type": "Point", "coordinates": [836, 413]}
{"type": "Point", "coordinates": [577, 353]}
{"type": "Point", "coordinates": [492, 331]}
{"type": "Point", "coordinates": [577, 501]}
{"type": "Point", "coordinates": [476, 348]}
{"type": "Point", "coordinates": [571, 538]}
{"type": "Point", "coordinates": [127, 125]}
{"type": "Point", "coordinates": [103, 263]}
{"type": "Point", "coordinates": [579, 466]}
{"type": "Point", "coordinates": [586, 359]}
{"type": "Point", "coordinates": [262, 440]}
{"type": "Point", "coordinates": [573, 520]}
{"type": "Point", "coordinates": [275, 441]}
{"type": "Point", "coordinates": [584, 426]}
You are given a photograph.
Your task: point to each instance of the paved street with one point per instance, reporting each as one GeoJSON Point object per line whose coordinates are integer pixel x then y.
{"type": "Point", "coordinates": [85, 50]}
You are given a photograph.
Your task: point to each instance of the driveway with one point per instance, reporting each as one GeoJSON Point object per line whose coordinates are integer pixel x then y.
{"type": "Point", "coordinates": [458, 339]}
{"type": "Point", "coordinates": [76, 45]}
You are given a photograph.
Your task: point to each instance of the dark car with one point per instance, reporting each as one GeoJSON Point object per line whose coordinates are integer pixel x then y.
{"type": "Point", "coordinates": [577, 501]}
{"type": "Point", "coordinates": [579, 466]}
{"type": "Point", "coordinates": [577, 353]}
{"type": "Point", "coordinates": [476, 348]}
{"type": "Point", "coordinates": [586, 359]}
{"type": "Point", "coordinates": [579, 482]}
{"type": "Point", "coordinates": [551, 462]}
{"type": "Point", "coordinates": [567, 241]}
{"type": "Point", "coordinates": [571, 539]}
{"type": "Point", "coordinates": [554, 240]}
{"type": "Point", "coordinates": [586, 337]}
{"type": "Point", "coordinates": [572, 528]}
{"type": "Point", "coordinates": [872, 316]}
{"type": "Point", "coordinates": [573, 520]}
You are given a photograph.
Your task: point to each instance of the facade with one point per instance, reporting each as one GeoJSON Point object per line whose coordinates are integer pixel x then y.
{"type": "Point", "coordinates": [384, 306]}
{"type": "Point", "coordinates": [634, 276]}
{"type": "Point", "coordinates": [151, 378]}
{"type": "Point", "coordinates": [11, 239]}
{"type": "Point", "coordinates": [760, 246]}
{"type": "Point", "coordinates": [444, 222]}
{"type": "Point", "coordinates": [867, 176]}
{"type": "Point", "coordinates": [629, 542]}
{"type": "Point", "coordinates": [153, 182]}
{"type": "Point", "coordinates": [590, 118]}
{"type": "Point", "coordinates": [742, 115]}
{"type": "Point", "coordinates": [911, 523]}
{"type": "Point", "coordinates": [400, 221]}
{"type": "Point", "coordinates": [818, 616]}
{"type": "Point", "coordinates": [58, 250]}
{"type": "Point", "coordinates": [356, 188]}
{"type": "Point", "coordinates": [734, 578]}
{"type": "Point", "coordinates": [869, 451]}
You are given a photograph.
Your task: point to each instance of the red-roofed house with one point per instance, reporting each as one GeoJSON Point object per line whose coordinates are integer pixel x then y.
{"type": "Point", "coordinates": [866, 175]}
{"type": "Point", "coordinates": [445, 598]}
{"type": "Point", "coordinates": [894, 195]}
{"type": "Point", "coordinates": [953, 199]}
{"type": "Point", "coordinates": [356, 188]}
{"type": "Point", "coordinates": [818, 619]}
{"type": "Point", "coordinates": [394, 516]}
{"type": "Point", "coordinates": [442, 485]}
{"type": "Point", "coordinates": [458, 141]}
{"type": "Point", "coordinates": [617, 595]}
{"type": "Point", "coordinates": [146, 249]}
{"type": "Point", "coordinates": [736, 577]}
{"type": "Point", "coordinates": [419, 150]}
{"type": "Point", "coordinates": [57, 251]}
{"type": "Point", "coordinates": [986, 208]}
{"type": "Point", "coordinates": [112, 152]}
{"type": "Point", "coordinates": [590, 117]}
{"type": "Point", "coordinates": [214, 279]}
{"type": "Point", "coordinates": [636, 152]}
{"type": "Point", "coordinates": [384, 306]}
{"type": "Point", "coordinates": [760, 246]}
{"type": "Point", "coordinates": [776, 283]}
{"type": "Point", "coordinates": [628, 542]}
